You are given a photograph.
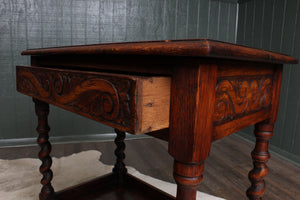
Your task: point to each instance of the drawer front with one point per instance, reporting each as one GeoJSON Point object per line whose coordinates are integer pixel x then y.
{"type": "Point", "coordinates": [134, 104]}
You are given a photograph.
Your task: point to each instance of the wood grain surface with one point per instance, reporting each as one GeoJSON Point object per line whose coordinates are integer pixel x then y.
{"type": "Point", "coordinates": [191, 48]}
{"type": "Point", "coordinates": [192, 107]}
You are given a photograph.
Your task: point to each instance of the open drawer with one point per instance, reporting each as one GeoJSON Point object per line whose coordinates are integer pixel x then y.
{"type": "Point", "coordinates": [135, 104]}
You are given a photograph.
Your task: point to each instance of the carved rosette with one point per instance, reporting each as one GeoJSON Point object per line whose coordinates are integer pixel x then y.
{"type": "Point", "coordinates": [101, 97]}
{"type": "Point", "coordinates": [237, 97]}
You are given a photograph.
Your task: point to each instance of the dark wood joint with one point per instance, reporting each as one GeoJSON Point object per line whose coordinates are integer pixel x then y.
{"type": "Point", "coordinates": [188, 177]}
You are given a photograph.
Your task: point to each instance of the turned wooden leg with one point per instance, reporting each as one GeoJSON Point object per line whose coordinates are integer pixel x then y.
{"type": "Point", "coordinates": [42, 111]}
{"type": "Point", "coordinates": [188, 177]}
{"type": "Point", "coordinates": [119, 169]}
{"type": "Point", "coordinates": [260, 156]}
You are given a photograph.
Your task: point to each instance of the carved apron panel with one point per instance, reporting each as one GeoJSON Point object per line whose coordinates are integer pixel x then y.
{"type": "Point", "coordinates": [237, 96]}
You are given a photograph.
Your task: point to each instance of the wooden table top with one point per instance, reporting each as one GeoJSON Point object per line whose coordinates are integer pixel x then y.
{"type": "Point", "coordinates": [186, 48]}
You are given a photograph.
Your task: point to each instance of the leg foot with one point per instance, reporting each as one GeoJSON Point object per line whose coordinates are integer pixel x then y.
{"type": "Point", "coordinates": [119, 169]}
{"type": "Point", "coordinates": [260, 156]}
{"type": "Point", "coordinates": [188, 177]}
{"type": "Point", "coordinates": [42, 111]}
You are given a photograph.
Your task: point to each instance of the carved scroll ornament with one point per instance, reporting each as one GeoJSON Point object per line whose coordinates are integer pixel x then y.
{"type": "Point", "coordinates": [239, 96]}
{"type": "Point", "coordinates": [103, 98]}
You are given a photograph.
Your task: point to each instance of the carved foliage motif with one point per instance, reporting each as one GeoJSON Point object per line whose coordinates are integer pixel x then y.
{"type": "Point", "coordinates": [239, 96]}
{"type": "Point", "coordinates": [104, 98]}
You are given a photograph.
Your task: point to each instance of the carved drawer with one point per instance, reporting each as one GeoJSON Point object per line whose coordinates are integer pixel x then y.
{"type": "Point", "coordinates": [135, 104]}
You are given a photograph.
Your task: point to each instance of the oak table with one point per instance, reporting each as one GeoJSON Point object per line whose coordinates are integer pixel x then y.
{"type": "Point", "coordinates": [187, 92]}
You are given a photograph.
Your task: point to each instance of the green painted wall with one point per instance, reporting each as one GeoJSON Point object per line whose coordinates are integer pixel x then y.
{"type": "Point", "coordinates": [44, 23]}
{"type": "Point", "coordinates": [275, 25]}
